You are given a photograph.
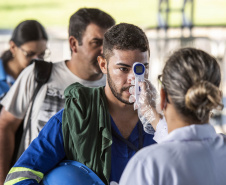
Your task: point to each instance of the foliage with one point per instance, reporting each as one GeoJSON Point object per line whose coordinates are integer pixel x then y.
{"type": "Point", "coordinates": [140, 12]}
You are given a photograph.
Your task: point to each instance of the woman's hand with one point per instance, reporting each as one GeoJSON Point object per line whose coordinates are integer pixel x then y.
{"type": "Point", "coordinates": [147, 105]}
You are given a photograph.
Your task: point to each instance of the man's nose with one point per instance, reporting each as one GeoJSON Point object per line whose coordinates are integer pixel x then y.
{"type": "Point", "coordinates": [131, 76]}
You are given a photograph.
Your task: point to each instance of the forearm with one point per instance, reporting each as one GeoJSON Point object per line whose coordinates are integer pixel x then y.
{"type": "Point", "coordinates": [33, 164]}
{"type": "Point", "coordinates": [6, 152]}
{"type": "Point", "coordinates": [45, 152]}
{"type": "Point", "coordinates": [149, 107]}
{"type": "Point", "coordinates": [149, 118]}
{"type": "Point", "coordinates": [8, 127]}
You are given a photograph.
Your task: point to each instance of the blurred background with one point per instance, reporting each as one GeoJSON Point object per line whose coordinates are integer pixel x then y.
{"type": "Point", "coordinates": [169, 25]}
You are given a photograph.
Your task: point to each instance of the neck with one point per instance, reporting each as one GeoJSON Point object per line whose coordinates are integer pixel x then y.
{"type": "Point", "coordinates": [79, 71]}
{"type": "Point", "coordinates": [173, 118]}
{"type": "Point", "coordinates": [124, 115]}
{"type": "Point", "coordinates": [13, 69]}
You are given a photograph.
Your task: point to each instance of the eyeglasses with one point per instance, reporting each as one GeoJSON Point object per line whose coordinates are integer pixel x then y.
{"type": "Point", "coordinates": [160, 81]}
{"type": "Point", "coordinates": [30, 54]}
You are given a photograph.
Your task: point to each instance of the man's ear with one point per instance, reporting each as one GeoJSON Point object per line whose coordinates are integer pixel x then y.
{"type": "Point", "coordinates": [12, 47]}
{"type": "Point", "coordinates": [103, 64]}
{"type": "Point", "coordinates": [163, 99]}
{"type": "Point", "coordinates": [73, 44]}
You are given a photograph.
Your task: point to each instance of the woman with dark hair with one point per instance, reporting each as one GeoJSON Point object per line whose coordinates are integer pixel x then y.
{"type": "Point", "coordinates": [192, 152]}
{"type": "Point", "coordinates": [28, 41]}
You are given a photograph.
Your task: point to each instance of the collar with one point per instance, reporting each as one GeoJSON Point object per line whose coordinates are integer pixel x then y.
{"type": "Point", "coordinates": [192, 132]}
{"type": "Point", "coordinates": [134, 134]}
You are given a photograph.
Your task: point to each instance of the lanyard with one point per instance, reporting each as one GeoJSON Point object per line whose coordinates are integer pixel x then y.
{"type": "Point", "coordinates": [129, 144]}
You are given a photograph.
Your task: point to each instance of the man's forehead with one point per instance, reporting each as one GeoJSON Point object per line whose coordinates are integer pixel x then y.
{"type": "Point", "coordinates": [124, 52]}
{"type": "Point", "coordinates": [128, 55]}
{"type": "Point", "coordinates": [94, 30]}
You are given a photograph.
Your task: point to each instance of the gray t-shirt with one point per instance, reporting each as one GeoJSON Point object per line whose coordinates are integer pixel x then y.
{"type": "Point", "coordinates": [49, 100]}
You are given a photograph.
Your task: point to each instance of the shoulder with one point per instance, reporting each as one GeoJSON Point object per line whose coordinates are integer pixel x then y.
{"type": "Point", "coordinates": [27, 73]}
{"type": "Point", "coordinates": [157, 152]}
{"type": "Point", "coordinates": [59, 115]}
{"type": "Point", "coordinates": [29, 68]}
{"type": "Point", "coordinates": [61, 65]}
{"type": "Point", "coordinates": [78, 90]}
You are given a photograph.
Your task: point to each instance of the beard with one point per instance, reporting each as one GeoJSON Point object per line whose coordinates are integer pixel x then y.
{"type": "Point", "coordinates": [114, 91]}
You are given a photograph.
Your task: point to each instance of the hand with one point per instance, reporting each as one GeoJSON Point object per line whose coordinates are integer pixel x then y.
{"type": "Point", "coordinates": [148, 106]}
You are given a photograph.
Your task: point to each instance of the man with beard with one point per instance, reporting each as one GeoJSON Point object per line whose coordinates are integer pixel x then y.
{"type": "Point", "coordinates": [98, 126]}
{"type": "Point", "coordinates": [86, 30]}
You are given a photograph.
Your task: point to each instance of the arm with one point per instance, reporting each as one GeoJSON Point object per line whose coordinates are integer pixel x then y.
{"type": "Point", "coordinates": [8, 127]}
{"type": "Point", "coordinates": [149, 111]}
{"type": "Point", "coordinates": [43, 154]}
{"type": "Point", "coordinates": [149, 104]}
{"type": "Point", "coordinates": [15, 105]}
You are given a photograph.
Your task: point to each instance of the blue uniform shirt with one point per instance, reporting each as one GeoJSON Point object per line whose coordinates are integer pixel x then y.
{"type": "Point", "coordinates": [47, 150]}
{"type": "Point", "coordinates": [5, 81]}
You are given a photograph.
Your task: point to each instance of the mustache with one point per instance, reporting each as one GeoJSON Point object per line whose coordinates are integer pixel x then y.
{"type": "Point", "coordinates": [126, 88]}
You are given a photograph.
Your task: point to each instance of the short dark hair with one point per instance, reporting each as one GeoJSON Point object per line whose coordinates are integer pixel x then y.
{"type": "Point", "coordinates": [83, 17]}
{"type": "Point", "coordinates": [26, 31]}
{"type": "Point", "coordinates": [124, 36]}
{"type": "Point", "coordinates": [191, 77]}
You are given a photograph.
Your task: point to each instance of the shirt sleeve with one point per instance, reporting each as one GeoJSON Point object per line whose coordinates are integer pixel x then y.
{"type": "Point", "coordinates": [17, 99]}
{"type": "Point", "coordinates": [43, 154]}
{"type": "Point", "coordinates": [161, 131]}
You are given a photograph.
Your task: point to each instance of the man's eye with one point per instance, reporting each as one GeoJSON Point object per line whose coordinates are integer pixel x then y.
{"type": "Point", "coordinates": [123, 69]}
{"type": "Point", "coordinates": [98, 42]}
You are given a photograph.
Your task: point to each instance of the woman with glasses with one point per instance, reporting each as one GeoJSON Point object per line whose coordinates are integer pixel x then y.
{"type": "Point", "coordinates": [28, 41]}
{"type": "Point", "coordinates": [192, 152]}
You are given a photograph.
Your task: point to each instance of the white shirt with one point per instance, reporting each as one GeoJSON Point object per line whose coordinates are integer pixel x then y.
{"type": "Point", "coordinates": [49, 100]}
{"type": "Point", "coordinates": [191, 155]}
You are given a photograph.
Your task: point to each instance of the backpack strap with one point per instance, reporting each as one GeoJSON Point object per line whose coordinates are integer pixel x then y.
{"type": "Point", "coordinates": [42, 71]}
{"type": "Point", "coordinates": [42, 74]}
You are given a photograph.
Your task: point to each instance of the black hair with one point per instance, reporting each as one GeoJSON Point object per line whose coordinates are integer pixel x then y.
{"type": "Point", "coordinates": [124, 37]}
{"type": "Point", "coordinates": [26, 31]}
{"type": "Point", "coordinates": [83, 17]}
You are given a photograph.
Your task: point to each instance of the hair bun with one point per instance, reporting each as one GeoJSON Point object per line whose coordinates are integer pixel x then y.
{"type": "Point", "coordinates": [202, 97]}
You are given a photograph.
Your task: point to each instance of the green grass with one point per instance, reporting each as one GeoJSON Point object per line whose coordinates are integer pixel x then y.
{"type": "Point", "coordinates": [140, 12]}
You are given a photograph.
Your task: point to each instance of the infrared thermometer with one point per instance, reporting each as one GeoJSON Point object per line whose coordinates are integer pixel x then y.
{"type": "Point", "coordinates": [138, 70]}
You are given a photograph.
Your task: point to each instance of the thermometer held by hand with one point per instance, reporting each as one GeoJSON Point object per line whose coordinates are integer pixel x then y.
{"type": "Point", "coordinates": [138, 70]}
